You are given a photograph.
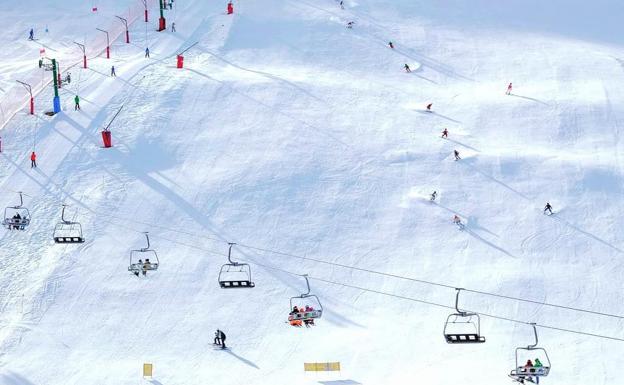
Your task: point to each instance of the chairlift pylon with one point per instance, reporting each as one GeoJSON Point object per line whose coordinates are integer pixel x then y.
{"type": "Point", "coordinates": [537, 361]}
{"type": "Point", "coordinates": [235, 275]}
{"type": "Point", "coordinates": [67, 231]}
{"type": "Point", "coordinates": [140, 259]}
{"type": "Point", "coordinates": [462, 327]}
{"type": "Point", "coordinates": [16, 217]}
{"type": "Point", "coordinates": [300, 313]}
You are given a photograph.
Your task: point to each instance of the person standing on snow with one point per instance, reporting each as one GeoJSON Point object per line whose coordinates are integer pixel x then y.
{"type": "Point", "coordinates": [458, 221]}
{"type": "Point", "coordinates": [33, 160]}
{"type": "Point", "coordinates": [548, 208]}
{"type": "Point", "coordinates": [407, 69]}
{"type": "Point", "coordinates": [456, 153]}
{"type": "Point", "coordinates": [76, 103]}
{"type": "Point", "coordinates": [173, 27]}
{"type": "Point", "coordinates": [31, 36]}
{"type": "Point", "coordinates": [147, 52]}
{"type": "Point", "coordinates": [391, 45]}
{"type": "Point", "coordinates": [445, 133]}
{"type": "Point", "coordinates": [509, 87]}
{"type": "Point", "coordinates": [429, 107]}
{"type": "Point", "coordinates": [113, 74]}
{"type": "Point", "coordinates": [220, 338]}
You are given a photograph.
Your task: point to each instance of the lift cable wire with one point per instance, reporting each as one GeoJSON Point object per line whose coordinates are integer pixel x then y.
{"type": "Point", "coordinates": [370, 271]}
{"type": "Point", "coordinates": [407, 298]}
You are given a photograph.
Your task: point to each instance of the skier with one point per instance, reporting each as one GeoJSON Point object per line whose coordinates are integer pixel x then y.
{"type": "Point", "coordinates": [407, 69]}
{"type": "Point", "coordinates": [433, 196]}
{"type": "Point", "coordinates": [341, 4]}
{"type": "Point", "coordinates": [548, 208]}
{"type": "Point", "coordinates": [458, 222]}
{"type": "Point", "coordinates": [230, 8]}
{"type": "Point", "coordinates": [77, 103]}
{"type": "Point", "coordinates": [173, 27]}
{"type": "Point", "coordinates": [508, 89]}
{"type": "Point", "coordinates": [445, 133]}
{"type": "Point", "coordinates": [220, 338]}
{"type": "Point", "coordinates": [350, 24]}
{"type": "Point", "coordinates": [68, 78]}
{"type": "Point", "coordinates": [113, 74]}
{"type": "Point", "coordinates": [429, 107]}
{"type": "Point", "coordinates": [456, 153]}
{"type": "Point", "coordinates": [391, 45]}
{"type": "Point", "coordinates": [147, 52]}
{"type": "Point", "coordinates": [31, 36]}
{"type": "Point", "coordinates": [33, 160]}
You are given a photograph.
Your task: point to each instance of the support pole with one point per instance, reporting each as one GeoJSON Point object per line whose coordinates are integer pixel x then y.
{"type": "Point", "coordinates": [145, 5]}
{"type": "Point", "coordinates": [162, 23]}
{"type": "Point", "coordinates": [107, 43]}
{"type": "Point", "coordinates": [57, 99]}
{"type": "Point", "coordinates": [32, 100]}
{"type": "Point", "coordinates": [84, 54]}
{"type": "Point", "coordinates": [125, 21]}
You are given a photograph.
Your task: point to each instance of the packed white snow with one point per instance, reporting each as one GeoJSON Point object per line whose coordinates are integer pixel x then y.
{"type": "Point", "coordinates": [294, 136]}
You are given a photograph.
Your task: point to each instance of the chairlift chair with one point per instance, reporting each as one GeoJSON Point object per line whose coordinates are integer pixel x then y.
{"type": "Point", "coordinates": [317, 311]}
{"type": "Point", "coordinates": [68, 231]}
{"type": "Point", "coordinates": [148, 259]}
{"type": "Point", "coordinates": [463, 327]}
{"type": "Point", "coordinates": [16, 217]}
{"type": "Point", "coordinates": [235, 275]}
{"type": "Point", "coordinates": [531, 352]}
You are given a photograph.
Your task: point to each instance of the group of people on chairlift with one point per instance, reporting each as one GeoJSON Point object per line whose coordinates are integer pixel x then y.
{"type": "Point", "coordinates": [143, 266]}
{"type": "Point", "coordinates": [300, 311]}
{"type": "Point", "coordinates": [16, 222]}
{"type": "Point", "coordinates": [532, 368]}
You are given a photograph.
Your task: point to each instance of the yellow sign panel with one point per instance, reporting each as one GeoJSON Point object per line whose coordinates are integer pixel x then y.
{"type": "Point", "coordinates": [147, 370]}
{"type": "Point", "coordinates": [321, 366]}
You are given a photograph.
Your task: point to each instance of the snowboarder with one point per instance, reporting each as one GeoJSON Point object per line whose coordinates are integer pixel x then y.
{"type": "Point", "coordinates": [219, 338]}
{"type": "Point", "coordinates": [391, 45]}
{"type": "Point", "coordinates": [172, 27]}
{"type": "Point", "coordinates": [230, 8]}
{"type": "Point", "coordinates": [429, 107]}
{"type": "Point", "coordinates": [456, 153]}
{"type": "Point", "coordinates": [508, 89]}
{"type": "Point", "coordinates": [548, 208]}
{"type": "Point", "coordinates": [113, 74]}
{"type": "Point", "coordinates": [350, 24]}
{"type": "Point", "coordinates": [33, 160]}
{"type": "Point", "coordinates": [445, 133]}
{"type": "Point", "coordinates": [77, 103]}
{"type": "Point", "coordinates": [31, 36]}
{"type": "Point", "coordinates": [147, 52]}
{"type": "Point", "coordinates": [433, 196]}
{"type": "Point", "coordinates": [407, 69]}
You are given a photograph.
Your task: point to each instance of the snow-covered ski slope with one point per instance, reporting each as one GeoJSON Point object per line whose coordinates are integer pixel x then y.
{"type": "Point", "coordinates": [297, 137]}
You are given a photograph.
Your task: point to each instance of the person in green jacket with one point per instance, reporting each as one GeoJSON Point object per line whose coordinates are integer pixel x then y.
{"type": "Point", "coordinates": [538, 365]}
{"type": "Point", "coordinates": [77, 101]}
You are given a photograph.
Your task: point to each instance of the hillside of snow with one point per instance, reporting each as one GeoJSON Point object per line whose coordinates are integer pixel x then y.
{"type": "Point", "coordinates": [308, 144]}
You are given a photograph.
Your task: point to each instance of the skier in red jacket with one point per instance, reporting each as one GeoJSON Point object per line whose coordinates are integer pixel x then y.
{"type": "Point", "coordinates": [33, 160]}
{"type": "Point", "coordinates": [509, 87]}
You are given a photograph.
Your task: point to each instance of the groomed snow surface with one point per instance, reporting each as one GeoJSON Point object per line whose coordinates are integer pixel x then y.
{"type": "Point", "coordinates": [297, 137]}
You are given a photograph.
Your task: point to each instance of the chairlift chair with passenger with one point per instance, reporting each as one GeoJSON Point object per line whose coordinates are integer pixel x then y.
{"type": "Point", "coordinates": [462, 327]}
{"type": "Point", "coordinates": [524, 372]}
{"type": "Point", "coordinates": [235, 275]}
{"type": "Point", "coordinates": [67, 231]}
{"type": "Point", "coordinates": [144, 259]}
{"type": "Point", "coordinates": [16, 217]}
{"type": "Point", "coordinates": [303, 315]}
